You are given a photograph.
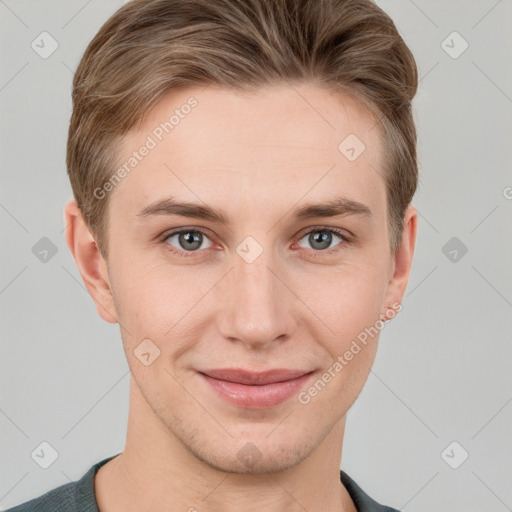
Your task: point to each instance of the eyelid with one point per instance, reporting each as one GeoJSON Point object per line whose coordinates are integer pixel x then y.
{"type": "Point", "coordinates": [185, 229]}
{"type": "Point", "coordinates": [343, 233]}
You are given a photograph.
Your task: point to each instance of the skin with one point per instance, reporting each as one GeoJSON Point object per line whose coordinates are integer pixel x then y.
{"type": "Point", "coordinates": [256, 158]}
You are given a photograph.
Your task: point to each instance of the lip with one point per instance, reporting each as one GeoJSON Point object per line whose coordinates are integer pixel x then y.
{"type": "Point", "coordinates": [255, 390]}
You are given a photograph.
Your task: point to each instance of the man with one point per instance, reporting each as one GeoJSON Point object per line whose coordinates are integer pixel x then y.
{"type": "Point", "coordinates": [243, 172]}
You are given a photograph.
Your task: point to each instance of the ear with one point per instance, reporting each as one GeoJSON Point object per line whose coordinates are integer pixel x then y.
{"type": "Point", "coordinates": [402, 262]}
{"type": "Point", "coordinates": [90, 262]}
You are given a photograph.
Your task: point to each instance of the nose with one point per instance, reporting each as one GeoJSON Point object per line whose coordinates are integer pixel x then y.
{"type": "Point", "coordinates": [256, 304]}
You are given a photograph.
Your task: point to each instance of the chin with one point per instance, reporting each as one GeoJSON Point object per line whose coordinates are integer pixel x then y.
{"type": "Point", "coordinates": [254, 452]}
{"type": "Point", "coordinates": [250, 460]}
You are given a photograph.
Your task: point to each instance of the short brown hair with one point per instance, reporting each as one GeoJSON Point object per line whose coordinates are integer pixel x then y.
{"type": "Point", "coordinates": [150, 47]}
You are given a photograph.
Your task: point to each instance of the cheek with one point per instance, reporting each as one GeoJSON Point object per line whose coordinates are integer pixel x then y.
{"type": "Point", "coordinates": [142, 292]}
{"type": "Point", "coordinates": [159, 303]}
{"type": "Point", "coordinates": [345, 300]}
{"type": "Point", "coordinates": [346, 304]}
{"type": "Point", "coordinates": [349, 304]}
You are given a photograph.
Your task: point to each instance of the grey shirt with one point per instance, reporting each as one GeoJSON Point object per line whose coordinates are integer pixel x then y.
{"type": "Point", "coordinates": [79, 496]}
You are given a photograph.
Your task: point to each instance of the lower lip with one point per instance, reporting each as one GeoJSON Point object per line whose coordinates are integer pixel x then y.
{"type": "Point", "coordinates": [256, 397]}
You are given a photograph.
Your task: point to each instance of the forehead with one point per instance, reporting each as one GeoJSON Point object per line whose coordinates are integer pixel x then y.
{"type": "Point", "coordinates": [232, 149]}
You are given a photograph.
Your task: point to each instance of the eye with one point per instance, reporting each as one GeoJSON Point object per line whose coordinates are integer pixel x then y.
{"type": "Point", "coordinates": [186, 240]}
{"type": "Point", "coordinates": [320, 239]}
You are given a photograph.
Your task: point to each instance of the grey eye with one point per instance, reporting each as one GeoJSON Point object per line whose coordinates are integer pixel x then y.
{"type": "Point", "coordinates": [320, 239]}
{"type": "Point", "coordinates": [188, 240]}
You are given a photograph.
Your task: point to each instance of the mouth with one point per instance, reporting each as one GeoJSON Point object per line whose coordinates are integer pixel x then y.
{"type": "Point", "coordinates": [255, 390]}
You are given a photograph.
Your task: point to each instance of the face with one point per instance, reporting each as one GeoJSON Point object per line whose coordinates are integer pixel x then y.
{"type": "Point", "coordinates": [248, 252]}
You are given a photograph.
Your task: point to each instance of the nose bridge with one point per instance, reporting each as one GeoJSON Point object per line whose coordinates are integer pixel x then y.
{"type": "Point", "coordinates": [256, 310]}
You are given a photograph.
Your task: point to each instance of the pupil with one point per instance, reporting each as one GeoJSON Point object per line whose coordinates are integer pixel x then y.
{"type": "Point", "coordinates": [323, 238]}
{"type": "Point", "coordinates": [191, 238]}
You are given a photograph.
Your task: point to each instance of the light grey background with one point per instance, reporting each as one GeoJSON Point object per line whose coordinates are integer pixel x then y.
{"type": "Point", "coordinates": [443, 368]}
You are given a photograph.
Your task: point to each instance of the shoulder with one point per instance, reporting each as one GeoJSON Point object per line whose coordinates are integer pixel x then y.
{"type": "Point", "coordinates": [60, 499]}
{"type": "Point", "coordinates": [75, 496]}
{"type": "Point", "coordinates": [362, 501]}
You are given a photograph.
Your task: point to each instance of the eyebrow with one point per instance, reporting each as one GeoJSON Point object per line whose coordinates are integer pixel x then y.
{"type": "Point", "coordinates": [332, 208]}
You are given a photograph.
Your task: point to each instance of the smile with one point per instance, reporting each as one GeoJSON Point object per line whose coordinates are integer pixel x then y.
{"type": "Point", "coordinates": [255, 390]}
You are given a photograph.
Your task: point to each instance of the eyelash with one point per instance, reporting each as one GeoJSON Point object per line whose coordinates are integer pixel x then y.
{"type": "Point", "coordinates": [346, 240]}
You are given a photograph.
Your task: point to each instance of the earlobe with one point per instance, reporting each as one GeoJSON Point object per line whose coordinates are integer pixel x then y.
{"type": "Point", "coordinates": [90, 263]}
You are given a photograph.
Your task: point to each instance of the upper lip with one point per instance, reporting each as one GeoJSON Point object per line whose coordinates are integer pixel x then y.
{"type": "Point", "coordinates": [255, 378]}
